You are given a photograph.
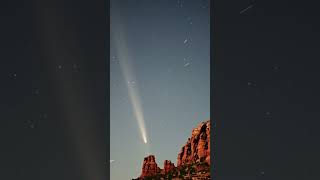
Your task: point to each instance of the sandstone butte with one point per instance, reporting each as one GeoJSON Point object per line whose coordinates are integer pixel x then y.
{"type": "Point", "coordinates": [193, 160]}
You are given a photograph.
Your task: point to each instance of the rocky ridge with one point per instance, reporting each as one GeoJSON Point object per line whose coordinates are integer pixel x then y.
{"type": "Point", "coordinates": [193, 160]}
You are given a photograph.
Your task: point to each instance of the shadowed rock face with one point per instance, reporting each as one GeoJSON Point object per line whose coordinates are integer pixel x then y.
{"type": "Point", "coordinates": [197, 148]}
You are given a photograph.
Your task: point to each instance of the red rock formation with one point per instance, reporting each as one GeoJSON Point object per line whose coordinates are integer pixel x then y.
{"type": "Point", "coordinates": [168, 166]}
{"type": "Point", "coordinates": [149, 167]}
{"type": "Point", "coordinates": [197, 148]}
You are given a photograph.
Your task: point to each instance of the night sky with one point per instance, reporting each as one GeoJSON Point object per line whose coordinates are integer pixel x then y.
{"type": "Point", "coordinates": [54, 100]}
{"type": "Point", "coordinates": [266, 89]}
{"type": "Point", "coordinates": [168, 44]}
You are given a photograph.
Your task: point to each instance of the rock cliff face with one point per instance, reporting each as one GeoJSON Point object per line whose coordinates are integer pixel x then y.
{"type": "Point", "coordinates": [193, 161]}
{"type": "Point", "coordinates": [149, 167]}
{"type": "Point", "coordinates": [168, 166]}
{"type": "Point", "coordinates": [197, 148]}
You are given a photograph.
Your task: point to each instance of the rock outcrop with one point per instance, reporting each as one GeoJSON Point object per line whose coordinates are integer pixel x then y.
{"type": "Point", "coordinates": [150, 167]}
{"type": "Point", "coordinates": [168, 166]}
{"type": "Point", "coordinates": [193, 161]}
{"type": "Point", "coordinates": [197, 148]}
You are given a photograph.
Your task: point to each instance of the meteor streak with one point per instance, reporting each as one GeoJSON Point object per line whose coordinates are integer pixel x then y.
{"type": "Point", "coordinates": [118, 35]}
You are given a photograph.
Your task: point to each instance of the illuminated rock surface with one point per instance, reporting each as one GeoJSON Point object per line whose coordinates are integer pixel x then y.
{"type": "Point", "coordinates": [193, 161]}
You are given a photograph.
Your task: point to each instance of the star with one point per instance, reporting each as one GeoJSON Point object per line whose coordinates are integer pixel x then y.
{"type": "Point", "coordinates": [248, 7]}
{"type": "Point", "coordinates": [244, 10]}
{"type": "Point", "coordinates": [14, 75]}
{"type": "Point", "coordinates": [187, 64]}
{"type": "Point", "coordinates": [185, 41]}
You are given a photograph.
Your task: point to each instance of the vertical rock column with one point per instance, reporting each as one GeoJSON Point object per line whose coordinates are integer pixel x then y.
{"type": "Point", "coordinates": [149, 167]}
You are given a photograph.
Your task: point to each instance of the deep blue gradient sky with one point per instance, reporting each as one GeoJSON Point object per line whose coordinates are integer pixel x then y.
{"type": "Point", "coordinates": [168, 43]}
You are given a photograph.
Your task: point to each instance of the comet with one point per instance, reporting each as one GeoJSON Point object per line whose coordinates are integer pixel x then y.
{"type": "Point", "coordinates": [119, 39]}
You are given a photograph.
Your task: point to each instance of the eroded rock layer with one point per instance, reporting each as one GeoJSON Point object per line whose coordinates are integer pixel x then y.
{"type": "Point", "coordinates": [197, 148]}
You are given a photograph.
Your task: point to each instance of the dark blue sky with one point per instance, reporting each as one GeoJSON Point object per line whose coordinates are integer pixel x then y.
{"type": "Point", "coordinates": [168, 46]}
